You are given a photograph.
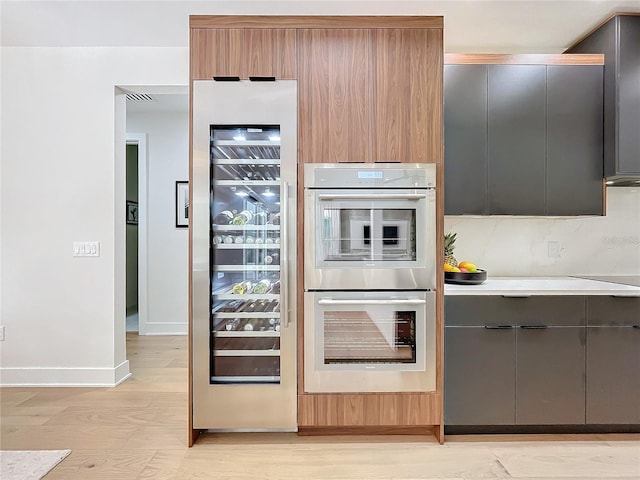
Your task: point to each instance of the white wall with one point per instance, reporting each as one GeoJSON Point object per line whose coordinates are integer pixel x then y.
{"type": "Point", "coordinates": [60, 182]}
{"type": "Point", "coordinates": [167, 246]}
{"type": "Point", "coordinates": [608, 245]}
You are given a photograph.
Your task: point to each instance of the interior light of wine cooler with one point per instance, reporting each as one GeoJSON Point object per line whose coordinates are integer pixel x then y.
{"type": "Point", "coordinates": [239, 138]}
{"type": "Point", "coordinates": [242, 194]}
{"type": "Point", "coordinates": [274, 138]}
{"type": "Point", "coordinates": [268, 193]}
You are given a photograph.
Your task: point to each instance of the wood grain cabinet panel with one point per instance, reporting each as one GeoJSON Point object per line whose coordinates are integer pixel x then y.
{"type": "Point", "coordinates": [333, 97]}
{"type": "Point", "coordinates": [361, 410]}
{"type": "Point", "coordinates": [406, 95]}
{"type": "Point", "coordinates": [270, 52]}
{"type": "Point", "coordinates": [216, 52]}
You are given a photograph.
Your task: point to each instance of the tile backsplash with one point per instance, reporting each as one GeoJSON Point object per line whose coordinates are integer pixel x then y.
{"type": "Point", "coordinates": [543, 246]}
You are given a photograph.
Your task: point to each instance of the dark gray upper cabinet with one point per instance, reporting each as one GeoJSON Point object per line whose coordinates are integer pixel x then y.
{"type": "Point", "coordinates": [619, 40]}
{"type": "Point", "coordinates": [574, 140]}
{"type": "Point", "coordinates": [465, 139]}
{"type": "Point", "coordinates": [523, 140]}
{"type": "Point", "coordinates": [516, 139]}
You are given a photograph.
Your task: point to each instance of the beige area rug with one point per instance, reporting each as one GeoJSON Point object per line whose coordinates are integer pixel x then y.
{"type": "Point", "coordinates": [29, 464]}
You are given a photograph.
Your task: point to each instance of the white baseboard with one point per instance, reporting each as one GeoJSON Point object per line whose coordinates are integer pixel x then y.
{"type": "Point", "coordinates": [173, 328]}
{"type": "Point", "coordinates": [64, 376]}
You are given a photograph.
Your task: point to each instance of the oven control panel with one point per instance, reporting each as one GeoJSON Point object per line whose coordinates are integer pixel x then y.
{"type": "Point", "coordinates": [379, 175]}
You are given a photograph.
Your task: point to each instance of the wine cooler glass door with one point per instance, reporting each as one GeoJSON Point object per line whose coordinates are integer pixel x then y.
{"type": "Point", "coordinates": [246, 254]}
{"type": "Point", "coordinates": [243, 224]}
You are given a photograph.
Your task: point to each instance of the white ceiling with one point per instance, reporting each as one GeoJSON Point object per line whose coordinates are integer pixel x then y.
{"type": "Point", "coordinates": [498, 26]}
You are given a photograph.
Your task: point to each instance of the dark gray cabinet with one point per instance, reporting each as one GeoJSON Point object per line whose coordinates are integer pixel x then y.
{"type": "Point", "coordinates": [523, 140]}
{"type": "Point", "coordinates": [514, 361]}
{"type": "Point", "coordinates": [465, 139]}
{"type": "Point", "coordinates": [619, 40]}
{"type": "Point", "coordinates": [516, 139]}
{"type": "Point", "coordinates": [480, 375]}
{"type": "Point", "coordinates": [551, 381]}
{"type": "Point", "coordinates": [574, 139]}
{"type": "Point", "coordinates": [613, 360]}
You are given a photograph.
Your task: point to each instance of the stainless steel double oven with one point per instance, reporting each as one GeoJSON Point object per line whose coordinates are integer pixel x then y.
{"type": "Point", "coordinates": [370, 277]}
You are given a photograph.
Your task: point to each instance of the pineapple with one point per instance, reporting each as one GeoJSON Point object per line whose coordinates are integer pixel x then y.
{"type": "Point", "coordinates": [449, 246]}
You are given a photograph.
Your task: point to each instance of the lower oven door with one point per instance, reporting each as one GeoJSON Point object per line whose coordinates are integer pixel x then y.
{"type": "Point", "coordinates": [369, 341]}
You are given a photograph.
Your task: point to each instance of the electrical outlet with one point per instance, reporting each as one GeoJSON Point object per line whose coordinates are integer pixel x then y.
{"type": "Point", "coordinates": [1, 334]}
{"type": "Point", "coordinates": [86, 249]}
{"type": "Point", "coordinates": [553, 249]}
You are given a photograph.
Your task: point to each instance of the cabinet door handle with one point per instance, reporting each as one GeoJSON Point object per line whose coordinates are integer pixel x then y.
{"type": "Point", "coordinates": [262, 79]}
{"type": "Point", "coordinates": [533, 327]}
{"type": "Point", "coordinates": [221, 78]}
{"type": "Point", "coordinates": [515, 295]}
{"type": "Point", "coordinates": [498, 327]}
{"type": "Point", "coordinates": [637, 326]}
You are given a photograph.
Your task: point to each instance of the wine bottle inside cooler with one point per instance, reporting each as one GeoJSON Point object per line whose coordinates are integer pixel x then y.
{"type": "Point", "coordinates": [261, 218]}
{"type": "Point", "coordinates": [272, 258]}
{"type": "Point", "coordinates": [223, 218]}
{"type": "Point", "coordinates": [242, 288]}
{"type": "Point", "coordinates": [251, 307]}
{"type": "Point", "coordinates": [243, 218]}
{"type": "Point", "coordinates": [232, 306]}
{"type": "Point", "coordinates": [262, 287]}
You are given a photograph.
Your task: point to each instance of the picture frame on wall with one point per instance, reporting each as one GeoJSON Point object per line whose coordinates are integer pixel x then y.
{"type": "Point", "coordinates": [182, 204]}
{"type": "Point", "coordinates": [132, 213]}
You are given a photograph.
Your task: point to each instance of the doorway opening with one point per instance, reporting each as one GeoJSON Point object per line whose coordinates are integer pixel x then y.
{"type": "Point", "coordinates": [133, 215]}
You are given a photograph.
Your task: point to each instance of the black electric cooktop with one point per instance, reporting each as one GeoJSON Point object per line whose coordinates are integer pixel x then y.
{"type": "Point", "coordinates": [632, 280]}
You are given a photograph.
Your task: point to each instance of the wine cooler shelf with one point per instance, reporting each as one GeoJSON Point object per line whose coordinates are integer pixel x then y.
{"type": "Point", "coordinates": [227, 228]}
{"type": "Point", "coordinates": [252, 162]}
{"type": "Point", "coordinates": [247, 268]}
{"type": "Point", "coordinates": [247, 246]}
{"type": "Point", "coordinates": [247, 307]}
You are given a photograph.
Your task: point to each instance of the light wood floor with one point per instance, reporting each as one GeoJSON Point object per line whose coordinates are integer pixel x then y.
{"type": "Point", "coordinates": [138, 431]}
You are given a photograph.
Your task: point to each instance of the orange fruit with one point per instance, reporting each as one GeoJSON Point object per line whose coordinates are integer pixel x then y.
{"type": "Point", "coordinates": [468, 266]}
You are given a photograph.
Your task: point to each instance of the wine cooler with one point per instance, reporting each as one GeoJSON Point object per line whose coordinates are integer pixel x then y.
{"type": "Point", "coordinates": [243, 255]}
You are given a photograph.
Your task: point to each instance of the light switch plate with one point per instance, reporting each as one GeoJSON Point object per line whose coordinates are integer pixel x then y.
{"type": "Point", "coordinates": [86, 249]}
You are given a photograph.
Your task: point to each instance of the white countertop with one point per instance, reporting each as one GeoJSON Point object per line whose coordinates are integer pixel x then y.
{"type": "Point", "coordinates": [526, 286]}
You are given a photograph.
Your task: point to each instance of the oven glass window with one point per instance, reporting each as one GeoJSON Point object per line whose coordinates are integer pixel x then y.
{"type": "Point", "coordinates": [368, 234]}
{"type": "Point", "coordinates": [369, 336]}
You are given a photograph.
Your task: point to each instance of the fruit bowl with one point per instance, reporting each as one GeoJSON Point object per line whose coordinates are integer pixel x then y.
{"type": "Point", "coordinates": [468, 278]}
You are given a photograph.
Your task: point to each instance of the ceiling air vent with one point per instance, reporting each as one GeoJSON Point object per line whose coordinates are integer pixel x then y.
{"type": "Point", "coordinates": [139, 97]}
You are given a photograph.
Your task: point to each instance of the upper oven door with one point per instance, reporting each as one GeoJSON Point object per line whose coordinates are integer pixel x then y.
{"type": "Point", "coordinates": [361, 239]}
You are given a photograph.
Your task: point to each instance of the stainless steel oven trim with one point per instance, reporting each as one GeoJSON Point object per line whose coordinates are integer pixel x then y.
{"type": "Point", "coordinates": [368, 377]}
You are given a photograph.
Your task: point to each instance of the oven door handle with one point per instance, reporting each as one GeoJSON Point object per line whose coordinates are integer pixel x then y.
{"type": "Point", "coordinates": [390, 301]}
{"type": "Point", "coordinates": [372, 196]}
